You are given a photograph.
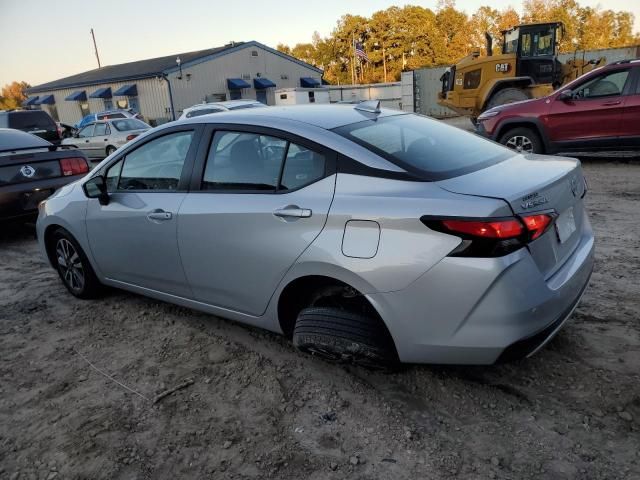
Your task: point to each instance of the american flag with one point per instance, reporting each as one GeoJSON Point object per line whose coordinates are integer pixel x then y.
{"type": "Point", "coordinates": [359, 48]}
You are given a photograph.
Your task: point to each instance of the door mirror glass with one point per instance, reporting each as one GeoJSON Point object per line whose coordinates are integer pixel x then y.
{"type": "Point", "coordinates": [565, 95]}
{"type": "Point", "coordinates": [96, 187]}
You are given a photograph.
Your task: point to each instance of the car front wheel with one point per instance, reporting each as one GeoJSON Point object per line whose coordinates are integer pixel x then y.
{"type": "Point", "coordinates": [523, 140]}
{"type": "Point", "coordinates": [73, 266]}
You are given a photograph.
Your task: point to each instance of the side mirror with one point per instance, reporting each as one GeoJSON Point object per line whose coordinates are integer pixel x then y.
{"type": "Point", "coordinates": [96, 187]}
{"type": "Point", "coordinates": [565, 95]}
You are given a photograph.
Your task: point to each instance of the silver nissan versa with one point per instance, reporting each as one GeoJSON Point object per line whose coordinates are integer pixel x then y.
{"type": "Point", "coordinates": [366, 235]}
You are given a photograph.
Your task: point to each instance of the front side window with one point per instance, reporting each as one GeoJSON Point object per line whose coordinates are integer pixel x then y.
{"type": "Point", "coordinates": [156, 165]}
{"type": "Point", "coordinates": [86, 131]}
{"type": "Point", "coordinates": [112, 176]}
{"type": "Point", "coordinates": [252, 162]}
{"type": "Point", "coordinates": [430, 149]}
{"type": "Point", "coordinates": [607, 85]}
{"type": "Point", "coordinates": [543, 43]}
{"type": "Point", "coordinates": [525, 50]}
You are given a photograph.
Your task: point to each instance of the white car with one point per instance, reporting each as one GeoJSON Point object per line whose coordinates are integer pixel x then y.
{"type": "Point", "coordinates": [101, 139]}
{"type": "Point", "coordinates": [216, 107]}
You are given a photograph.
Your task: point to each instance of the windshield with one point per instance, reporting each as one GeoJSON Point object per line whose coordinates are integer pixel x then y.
{"type": "Point", "coordinates": [128, 124]}
{"type": "Point", "coordinates": [431, 149]}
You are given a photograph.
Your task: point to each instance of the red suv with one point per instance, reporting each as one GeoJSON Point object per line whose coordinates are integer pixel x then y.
{"type": "Point", "coordinates": [598, 111]}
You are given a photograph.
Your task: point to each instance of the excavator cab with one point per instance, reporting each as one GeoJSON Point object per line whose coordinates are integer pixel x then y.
{"type": "Point", "coordinates": [535, 47]}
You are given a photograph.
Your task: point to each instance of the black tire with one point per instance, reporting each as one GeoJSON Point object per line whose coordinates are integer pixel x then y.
{"type": "Point", "coordinates": [344, 337]}
{"type": "Point", "coordinates": [522, 139]}
{"type": "Point", "coordinates": [507, 95]}
{"type": "Point", "coordinates": [110, 150]}
{"type": "Point", "coordinates": [72, 265]}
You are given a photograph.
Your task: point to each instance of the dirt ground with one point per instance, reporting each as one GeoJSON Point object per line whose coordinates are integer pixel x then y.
{"type": "Point", "coordinates": [259, 409]}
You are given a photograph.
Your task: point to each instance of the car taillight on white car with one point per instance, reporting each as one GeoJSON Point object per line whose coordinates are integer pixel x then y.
{"type": "Point", "coordinates": [73, 166]}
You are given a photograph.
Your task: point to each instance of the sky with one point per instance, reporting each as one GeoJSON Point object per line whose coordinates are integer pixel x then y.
{"type": "Point", "coordinates": [43, 40]}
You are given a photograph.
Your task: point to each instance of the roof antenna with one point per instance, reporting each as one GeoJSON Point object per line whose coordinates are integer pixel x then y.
{"type": "Point", "coordinates": [95, 47]}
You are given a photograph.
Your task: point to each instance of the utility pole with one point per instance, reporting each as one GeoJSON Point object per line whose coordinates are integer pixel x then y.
{"type": "Point", "coordinates": [95, 46]}
{"type": "Point", "coordinates": [353, 62]}
{"type": "Point", "coordinates": [384, 64]}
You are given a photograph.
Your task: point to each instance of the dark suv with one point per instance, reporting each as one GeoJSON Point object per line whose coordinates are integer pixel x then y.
{"type": "Point", "coordinates": [598, 111]}
{"type": "Point", "coordinates": [37, 122]}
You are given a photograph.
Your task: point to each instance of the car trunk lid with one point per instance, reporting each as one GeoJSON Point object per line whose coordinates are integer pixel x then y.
{"type": "Point", "coordinates": [533, 184]}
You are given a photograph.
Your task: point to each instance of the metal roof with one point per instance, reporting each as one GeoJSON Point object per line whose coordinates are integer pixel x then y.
{"type": "Point", "coordinates": [152, 67]}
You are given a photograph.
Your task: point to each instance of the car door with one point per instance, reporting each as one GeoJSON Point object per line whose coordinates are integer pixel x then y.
{"type": "Point", "coordinates": [98, 142]}
{"type": "Point", "coordinates": [592, 117]}
{"type": "Point", "coordinates": [133, 238]}
{"type": "Point", "coordinates": [258, 200]}
{"type": "Point", "coordinates": [630, 124]}
{"type": "Point", "coordinates": [84, 138]}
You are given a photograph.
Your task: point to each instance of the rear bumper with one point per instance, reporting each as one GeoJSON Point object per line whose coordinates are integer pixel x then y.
{"type": "Point", "coordinates": [21, 200]}
{"type": "Point", "coordinates": [483, 310]}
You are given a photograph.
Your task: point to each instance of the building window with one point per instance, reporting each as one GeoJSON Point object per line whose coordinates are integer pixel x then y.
{"type": "Point", "coordinates": [235, 94]}
{"type": "Point", "coordinates": [84, 109]}
{"type": "Point", "coordinates": [216, 97]}
{"type": "Point", "coordinates": [254, 53]}
{"type": "Point", "coordinates": [108, 104]}
{"type": "Point", "coordinates": [134, 104]}
{"type": "Point", "coordinates": [312, 97]}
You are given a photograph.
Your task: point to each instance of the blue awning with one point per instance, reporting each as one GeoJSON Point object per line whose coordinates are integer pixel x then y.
{"type": "Point", "coordinates": [101, 93]}
{"type": "Point", "coordinates": [30, 101]}
{"type": "Point", "coordinates": [237, 84]}
{"type": "Point", "coordinates": [261, 83]}
{"type": "Point", "coordinates": [46, 100]}
{"type": "Point", "coordinates": [309, 82]}
{"type": "Point", "coordinates": [127, 91]}
{"type": "Point", "coordinates": [78, 96]}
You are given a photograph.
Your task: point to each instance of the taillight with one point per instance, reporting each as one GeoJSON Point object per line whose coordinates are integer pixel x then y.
{"type": "Point", "coordinates": [491, 237]}
{"type": "Point", "coordinates": [486, 229]}
{"type": "Point", "coordinates": [73, 166]}
{"type": "Point", "coordinates": [537, 224]}
{"type": "Point", "coordinates": [131, 137]}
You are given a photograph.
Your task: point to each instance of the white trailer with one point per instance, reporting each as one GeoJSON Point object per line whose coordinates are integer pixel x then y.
{"type": "Point", "coordinates": [301, 96]}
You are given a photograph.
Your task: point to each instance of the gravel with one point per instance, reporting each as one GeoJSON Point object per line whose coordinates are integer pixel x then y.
{"type": "Point", "coordinates": [259, 409]}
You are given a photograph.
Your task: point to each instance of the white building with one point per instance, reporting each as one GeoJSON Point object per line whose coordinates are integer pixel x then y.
{"type": "Point", "coordinates": [151, 87]}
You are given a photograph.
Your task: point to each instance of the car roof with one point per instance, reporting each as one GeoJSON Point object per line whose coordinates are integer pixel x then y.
{"type": "Point", "coordinates": [326, 116]}
{"type": "Point", "coordinates": [11, 139]}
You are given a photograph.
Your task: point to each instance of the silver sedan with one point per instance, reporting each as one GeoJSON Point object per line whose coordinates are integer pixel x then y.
{"type": "Point", "coordinates": [101, 139]}
{"type": "Point", "coordinates": [365, 235]}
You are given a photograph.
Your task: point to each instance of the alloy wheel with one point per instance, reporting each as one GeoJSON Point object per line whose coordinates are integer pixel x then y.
{"type": "Point", "coordinates": [70, 265]}
{"type": "Point", "coordinates": [520, 143]}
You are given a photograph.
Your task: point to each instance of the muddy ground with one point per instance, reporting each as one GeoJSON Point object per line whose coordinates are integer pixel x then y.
{"type": "Point", "coordinates": [259, 409]}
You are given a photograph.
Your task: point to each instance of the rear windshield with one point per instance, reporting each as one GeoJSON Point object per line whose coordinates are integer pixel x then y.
{"type": "Point", "coordinates": [129, 124]}
{"type": "Point", "coordinates": [247, 105]}
{"type": "Point", "coordinates": [202, 111]}
{"type": "Point", "coordinates": [426, 147]}
{"type": "Point", "coordinates": [31, 120]}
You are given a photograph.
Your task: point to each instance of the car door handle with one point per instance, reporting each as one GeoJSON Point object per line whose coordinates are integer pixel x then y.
{"type": "Point", "coordinates": [159, 215]}
{"type": "Point", "coordinates": [86, 141]}
{"type": "Point", "coordinates": [292, 211]}
{"type": "Point", "coordinates": [612, 102]}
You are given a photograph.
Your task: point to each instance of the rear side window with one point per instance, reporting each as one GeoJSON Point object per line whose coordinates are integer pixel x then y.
{"type": "Point", "coordinates": [156, 165]}
{"type": "Point", "coordinates": [31, 120]}
{"type": "Point", "coordinates": [428, 148]}
{"type": "Point", "coordinates": [101, 129]}
{"type": "Point", "coordinates": [252, 162]}
{"type": "Point", "coordinates": [128, 124]}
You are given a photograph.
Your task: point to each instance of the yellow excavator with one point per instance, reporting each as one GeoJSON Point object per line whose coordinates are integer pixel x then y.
{"type": "Point", "coordinates": [528, 67]}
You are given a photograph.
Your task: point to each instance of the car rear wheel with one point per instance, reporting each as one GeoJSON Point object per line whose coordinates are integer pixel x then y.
{"type": "Point", "coordinates": [344, 337]}
{"type": "Point", "coordinates": [523, 140]}
{"type": "Point", "coordinates": [73, 266]}
{"type": "Point", "coordinates": [110, 150]}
